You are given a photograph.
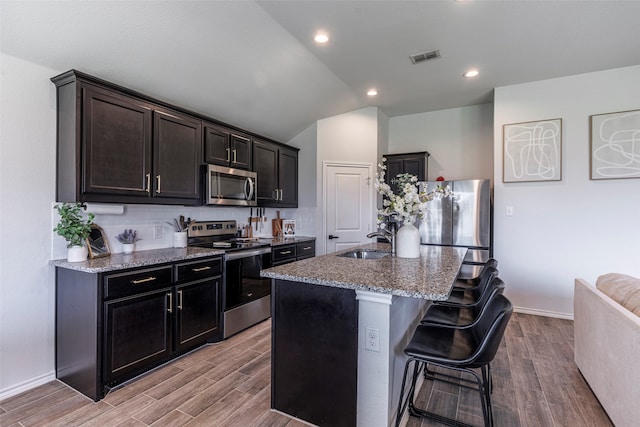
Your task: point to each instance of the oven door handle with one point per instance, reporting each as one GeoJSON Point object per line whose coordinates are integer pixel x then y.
{"type": "Point", "coordinates": [249, 194]}
{"type": "Point", "coordinates": [246, 253]}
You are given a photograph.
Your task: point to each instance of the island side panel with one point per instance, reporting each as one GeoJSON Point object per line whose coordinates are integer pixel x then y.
{"type": "Point", "coordinates": [314, 353]}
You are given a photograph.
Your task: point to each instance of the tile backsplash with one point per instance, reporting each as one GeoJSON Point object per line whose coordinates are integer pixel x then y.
{"type": "Point", "coordinates": [152, 223]}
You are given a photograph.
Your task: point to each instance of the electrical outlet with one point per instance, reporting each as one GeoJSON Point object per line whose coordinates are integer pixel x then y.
{"type": "Point", "coordinates": [372, 339]}
{"type": "Point", "coordinates": [157, 232]}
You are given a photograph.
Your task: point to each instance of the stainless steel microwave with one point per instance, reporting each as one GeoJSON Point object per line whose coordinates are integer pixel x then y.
{"type": "Point", "coordinates": [229, 187]}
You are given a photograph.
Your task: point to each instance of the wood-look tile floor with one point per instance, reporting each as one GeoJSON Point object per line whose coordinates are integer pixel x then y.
{"type": "Point", "coordinates": [536, 383]}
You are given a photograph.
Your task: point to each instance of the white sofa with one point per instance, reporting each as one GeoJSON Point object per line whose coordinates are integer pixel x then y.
{"type": "Point", "coordinates": [607, 344]}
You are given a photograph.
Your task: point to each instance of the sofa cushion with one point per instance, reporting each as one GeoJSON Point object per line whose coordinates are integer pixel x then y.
{"type": "Point", "coordinates": [623, 289]}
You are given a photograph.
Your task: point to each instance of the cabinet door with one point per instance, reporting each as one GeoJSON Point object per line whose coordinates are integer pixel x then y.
{"type": "Point", "coordinates": [137, 333]}
{"type": "Point", "coordinates": [216, 145]}
{"type": "Point", "coordinates": [265, 164]}
{"type": "Point", "coordinates": [414, 166]}
{"type": "Point", "coordinates": [394, 167]}
{"type": "Point", "coordinates": [176, 143]}
{"type": "Point", "coordinates": [240, 152]}
{"type": "Point", "coordinates": [288, 177]}
{"type": "Point", "coordinates": [197, 312]}
{"type": "Point", "coordinates": [116, 143]}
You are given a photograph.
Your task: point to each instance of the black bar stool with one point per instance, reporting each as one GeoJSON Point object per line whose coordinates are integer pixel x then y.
{"type": "Point", "coordinates": [470, 296]}
{"type": "Point", "coordinates": [464, 349]}
{"type": "Point", "coordinates": [461, 315]}
{"type": "Point", "coordinates": [466, 283]}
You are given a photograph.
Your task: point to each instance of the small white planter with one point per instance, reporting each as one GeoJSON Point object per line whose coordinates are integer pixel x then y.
{"type": "Point", "coordinates": [128, 248]}
{"type": "Point", "coordinates": [77, 254]}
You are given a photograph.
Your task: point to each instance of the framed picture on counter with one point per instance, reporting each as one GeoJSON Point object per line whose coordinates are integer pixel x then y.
{"type": "Point", "coordinates": [288, 227]}
{"type": "Point", "coordinates": [97, 243]}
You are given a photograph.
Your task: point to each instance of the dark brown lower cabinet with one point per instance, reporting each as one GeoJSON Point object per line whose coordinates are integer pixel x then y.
{"type": "Point", "coordinates": [137, 333]}
{"type": "Point", "coordinates": [111, 327]}
{"type": "Point", "coordinates": [284, 254]}
{"type": "Point", "coordinates": [195, 321]}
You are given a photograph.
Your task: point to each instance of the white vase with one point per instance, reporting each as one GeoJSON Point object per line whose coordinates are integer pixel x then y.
{"type": "Point", "coordinates": [77, 253]}
{"type": "Point", "coordinates": [127, 248]}
{"type": "Point", "coordinates": [408, 242]}
{"type": "Point", "coordinates": [180, 239]}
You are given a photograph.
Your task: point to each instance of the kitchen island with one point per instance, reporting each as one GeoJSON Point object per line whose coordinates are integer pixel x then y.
{"type": "Point", "coordinates": [339, 327]}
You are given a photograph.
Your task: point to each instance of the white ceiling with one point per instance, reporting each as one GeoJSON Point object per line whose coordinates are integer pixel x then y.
{"type": "Point", "coordinates": [254, 64]}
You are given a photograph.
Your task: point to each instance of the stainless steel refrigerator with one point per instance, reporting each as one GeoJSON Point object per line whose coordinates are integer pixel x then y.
{"type": "Point", "coordinates": [464, 220]}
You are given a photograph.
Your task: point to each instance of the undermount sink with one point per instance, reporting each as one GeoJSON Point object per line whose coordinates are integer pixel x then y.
{"type": "Point", "coordinates": [364, 254]}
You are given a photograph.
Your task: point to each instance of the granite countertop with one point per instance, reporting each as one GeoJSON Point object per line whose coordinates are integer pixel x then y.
{"type": "Point", "coordinates": [279, 241]}
{"type": "Point", "coordinates": [429, 277]}
{"type": "Point", "coordinates": [137, 259]}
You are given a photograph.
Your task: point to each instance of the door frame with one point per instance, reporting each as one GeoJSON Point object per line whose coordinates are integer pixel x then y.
{"type": "Point", "coordinates": [373, 200]}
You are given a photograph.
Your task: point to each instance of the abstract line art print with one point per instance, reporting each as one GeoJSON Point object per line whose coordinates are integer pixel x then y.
{"type": "Point", "coordinates": [532, 151]}
{"type": "Point", "coordinates": [615, 145]}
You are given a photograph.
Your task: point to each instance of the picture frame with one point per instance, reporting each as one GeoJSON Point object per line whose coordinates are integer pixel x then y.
{"type": "Point", "coordinates": [97, 243]}
{"type": "Point", "coordinates": [614, 145]}
{"type": "Point", "coordinates": [532, 151]}
{"type": "Point", "coordinates": [288, 228]}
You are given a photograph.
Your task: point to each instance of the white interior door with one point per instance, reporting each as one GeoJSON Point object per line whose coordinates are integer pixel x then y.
{"type": "Point", "coordinates": [348, 205]}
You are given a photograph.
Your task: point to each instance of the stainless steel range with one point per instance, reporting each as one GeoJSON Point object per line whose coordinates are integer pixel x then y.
{"type": "Point", "coordinates": [246, 297]}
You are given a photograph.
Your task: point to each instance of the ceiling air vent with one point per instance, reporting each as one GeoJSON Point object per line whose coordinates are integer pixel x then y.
{"type": "Point", "coordinates": [425, 56]}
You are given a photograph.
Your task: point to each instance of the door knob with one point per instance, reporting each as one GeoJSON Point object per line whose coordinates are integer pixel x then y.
{"type": "Point", "coordinates": [331, 236]}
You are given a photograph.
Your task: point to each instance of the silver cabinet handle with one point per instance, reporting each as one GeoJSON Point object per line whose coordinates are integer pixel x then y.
{"type": "Point", "coordinates": [285, 252]}
{"type": "Point", "coordinates": [170, 309]}
{"type": "Point", "coordinates": [179, 300]}
{"type": "Point", "coordinates": [158, 188]}
{"type": "Point", "coordinates": [307, 248]}
{"type": "Point", "coordinates": [148, 183]}
{"type": "Point", "coordinates": [195, 270]}
{"type": "Point", "coordinates": [235, 156]}
{"type": "Point", "coordinates": [148, 279]}
{"type": "Point", "coordinates": [228, 154]}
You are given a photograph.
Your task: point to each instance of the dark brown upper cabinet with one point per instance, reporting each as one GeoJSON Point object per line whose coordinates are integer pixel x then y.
{"type": "Point", "coordinates": [225, 147]}
{"type": "Point", "coordinates": [176, 155]}
{"type": "Point", "coordinates": [411, 163]}
{"type": "Point", "coordinates": [277, 169]}
{"type": "Point", "coordinates": [115, 145]}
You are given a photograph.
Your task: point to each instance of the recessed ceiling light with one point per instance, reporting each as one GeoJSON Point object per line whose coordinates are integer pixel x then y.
{"type": "Point", "coordinates": [321, 38]}
{"type": "Point", "coordinates": [471, 73]}
{"type": "Point", "coordinates": [372, 92]}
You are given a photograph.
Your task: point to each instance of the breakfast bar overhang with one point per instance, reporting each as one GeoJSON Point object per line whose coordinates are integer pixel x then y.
{"type": "Point", "coordinates": [339, 328]}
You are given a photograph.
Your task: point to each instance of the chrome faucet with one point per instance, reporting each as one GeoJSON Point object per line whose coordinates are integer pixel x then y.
{"type": "Point", "coordinates": [389, 235]}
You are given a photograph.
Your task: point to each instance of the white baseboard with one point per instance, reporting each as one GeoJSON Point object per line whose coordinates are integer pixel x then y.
{"type": "Point", "coordinates": [537, 312]}
{"type": "Point", "coordinates": [27, 385]}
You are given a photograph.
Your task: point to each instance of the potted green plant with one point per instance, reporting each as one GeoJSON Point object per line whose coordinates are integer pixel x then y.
{"type": "Point", "coordinates": [128, 238]}
{"type": "Point", "coordinates": [74, 228]}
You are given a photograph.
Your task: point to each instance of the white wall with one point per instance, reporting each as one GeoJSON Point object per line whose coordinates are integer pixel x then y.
{"type": "Point", "coordinates": [460, 140]}
{"type": "Point", "coordinates": [570, 228]}
{"type": "Point", "coordinates": [27, 185]}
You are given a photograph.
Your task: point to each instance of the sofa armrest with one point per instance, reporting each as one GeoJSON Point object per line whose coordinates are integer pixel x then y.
{"type": "Point", "coordinates": [606, 349]}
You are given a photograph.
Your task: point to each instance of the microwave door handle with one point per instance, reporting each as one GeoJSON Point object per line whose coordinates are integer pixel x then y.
{"type": "Point", "coordinates": [249, 183]}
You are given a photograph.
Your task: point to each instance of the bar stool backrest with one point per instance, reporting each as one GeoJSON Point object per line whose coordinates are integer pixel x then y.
{"type": "Point", "coordinates": [484, 279]}
{"type": "Point", "coordinates": [496, 285]}
{"type": "Point", "coordinates": [489, 329]}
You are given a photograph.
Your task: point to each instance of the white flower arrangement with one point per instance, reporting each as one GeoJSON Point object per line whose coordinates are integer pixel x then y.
{"type": "Point", "coordinates": [410, 203]}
